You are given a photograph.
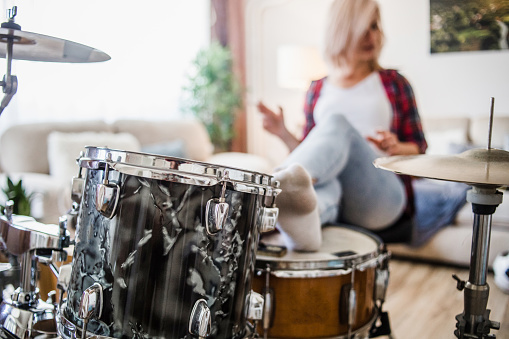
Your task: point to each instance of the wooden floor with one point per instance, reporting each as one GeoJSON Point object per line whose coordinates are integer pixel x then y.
{"type": "Point", "coordinates": [422, 301]}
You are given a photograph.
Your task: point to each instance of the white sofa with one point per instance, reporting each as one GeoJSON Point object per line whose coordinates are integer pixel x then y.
{"type": "Point", "coordinates": [44, 154]}
{"type": "Point", "coordinates": [452, 244]}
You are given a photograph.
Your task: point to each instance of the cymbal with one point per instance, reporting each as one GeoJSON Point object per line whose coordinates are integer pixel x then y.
{"type": "Point", "coordinates": [473, 167]}
{"type": "Point", "coordinates": [39, 47]}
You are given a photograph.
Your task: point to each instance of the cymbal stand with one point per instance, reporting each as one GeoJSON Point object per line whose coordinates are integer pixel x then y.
{"type": "Point", "coordinates": [10, 82]}
{"type": "Point", "coordinates": [474, 321]}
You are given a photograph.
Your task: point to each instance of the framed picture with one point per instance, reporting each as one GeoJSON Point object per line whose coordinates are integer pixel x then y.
{"type": "Point", "coordinates": [469, 25]}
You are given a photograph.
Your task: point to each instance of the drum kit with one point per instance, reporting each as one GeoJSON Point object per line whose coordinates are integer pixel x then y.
{"type": "Point", "coordinates": [169, 247]}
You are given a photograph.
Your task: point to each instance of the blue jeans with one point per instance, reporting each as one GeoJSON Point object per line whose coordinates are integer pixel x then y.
{"type": "Point", "coordinates": [436, 206]}
{"type": "Point", "coordinates": [348, 187]}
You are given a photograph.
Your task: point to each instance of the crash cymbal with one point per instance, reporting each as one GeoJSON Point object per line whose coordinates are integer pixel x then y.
{"type": "Point", "coordinates": [38, 47]}
{"type": "Point", "coordinates": [473, 167]}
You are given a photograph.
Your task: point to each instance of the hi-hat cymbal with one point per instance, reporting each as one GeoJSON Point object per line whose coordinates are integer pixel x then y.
{"type": "Point", "coordinates": [473, 167]}
{"type": "Point", "coordinates": [38, 47]}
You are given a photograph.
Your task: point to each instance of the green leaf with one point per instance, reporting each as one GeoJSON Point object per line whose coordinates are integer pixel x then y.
{"type": "Point", "coordinates": [213, 94]}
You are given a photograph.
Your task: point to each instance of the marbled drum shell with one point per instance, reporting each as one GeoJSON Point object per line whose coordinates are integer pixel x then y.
{"type": "Point", "coordinates": [155, 259]}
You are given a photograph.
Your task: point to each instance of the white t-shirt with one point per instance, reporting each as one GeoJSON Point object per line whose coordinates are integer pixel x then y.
{"type": "Point", "coordinates": [365, 105]}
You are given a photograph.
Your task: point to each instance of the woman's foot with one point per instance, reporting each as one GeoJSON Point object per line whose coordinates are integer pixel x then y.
{"type": "Point", "coordinates": [299, 220]}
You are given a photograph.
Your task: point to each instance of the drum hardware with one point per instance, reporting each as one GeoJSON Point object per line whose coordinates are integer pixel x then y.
{"type": "Point", "coordinates": [382, 326]}
{"type": "Point", "coordinates": [474, 322]}
{"type": "Point", "coordinates": [255, 309]}
{"type": "Point", "coordinates": [352, 302]}
{"type": "Point", "coordinates": [217, 210]}
{"type": "Point", "coordinates": [24, 315]}
{"type": "Point", "coordinates": [200, 322]}
{"type": "Point", "coordinates": [270, 215]}
{"type": "Point", "coordinates": [485, 170]}
{"type": "Point", "coordinates": [91, 305]}
{"type": "Point", "coordinates": [107, 195]}
{"type": "Point", "coordinates": [21, 45]}
{"type": "Point", "coordinates": [64, 278]}
{"type": "Point", "coordinates": [268, 295]}
{"type": "Point", "coordinates": [77, 187]}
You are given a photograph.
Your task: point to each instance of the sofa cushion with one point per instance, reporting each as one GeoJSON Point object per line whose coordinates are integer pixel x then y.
{"type": "Point", "coordinates": [479, 129]}
{"type": "Point", "coordinates": [24, 147]}
{"type": "Point", "coordinates": [191, 131]}
{"type": "Point", "coordinates": [65, 148]}
{"type": "Point", "coordinates": [174, 148]}
{"type": "Point", "coordinates": [445, 135]}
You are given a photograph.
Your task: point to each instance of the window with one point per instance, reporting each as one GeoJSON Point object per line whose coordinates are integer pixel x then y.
{"type": "Point", "coordinates": [151, 44]}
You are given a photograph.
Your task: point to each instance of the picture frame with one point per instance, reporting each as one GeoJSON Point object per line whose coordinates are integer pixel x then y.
{"type": "Point", "coordinates": [469, 25]}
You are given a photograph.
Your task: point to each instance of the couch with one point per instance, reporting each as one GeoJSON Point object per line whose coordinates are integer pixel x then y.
{"type": "Point", "coordinates": [44, 155]}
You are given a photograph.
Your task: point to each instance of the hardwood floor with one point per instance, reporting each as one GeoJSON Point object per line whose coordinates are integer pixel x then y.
{"type": "Point", "coordinates": [422, 301]}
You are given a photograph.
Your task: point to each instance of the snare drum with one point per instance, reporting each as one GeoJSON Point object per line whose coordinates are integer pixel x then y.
{"type": "Point", "coordinates": [330, 293]}
{"type": "Point", "coordinates": [165, 247]}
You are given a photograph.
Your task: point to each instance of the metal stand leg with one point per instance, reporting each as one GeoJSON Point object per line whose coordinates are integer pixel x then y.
{"type": "Point", "coordinates": [474, 321]}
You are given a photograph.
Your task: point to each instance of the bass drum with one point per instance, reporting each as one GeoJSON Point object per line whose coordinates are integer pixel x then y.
{"type": "Point", "coordinates": [331, 293]}
{"type": "Point", "coordinates": [165, 247]}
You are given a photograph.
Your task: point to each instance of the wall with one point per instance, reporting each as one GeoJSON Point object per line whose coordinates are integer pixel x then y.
{"type": "Point", "coordinates": [444, 83]}
{"type": "Point", "coordinates": [449, 84]}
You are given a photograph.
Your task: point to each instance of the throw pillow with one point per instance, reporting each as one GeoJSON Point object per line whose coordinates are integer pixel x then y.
{"type": "Point", "coordinates": [65, 148]}
{"type": "Point", "coordinates": [439, 142]}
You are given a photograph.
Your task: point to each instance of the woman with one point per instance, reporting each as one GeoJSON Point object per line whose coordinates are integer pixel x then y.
{"type": "Point", "coordinates": [359, 112]}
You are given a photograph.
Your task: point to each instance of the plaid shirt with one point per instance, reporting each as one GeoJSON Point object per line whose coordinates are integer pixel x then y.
{"type": "Point", "coordinates": [406, 123]}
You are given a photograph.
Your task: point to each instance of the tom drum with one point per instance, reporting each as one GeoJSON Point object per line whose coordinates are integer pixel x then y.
{"type": "Point", "coordinates": [331, 293]}
{"type": "Point", "coordinates": [165, 247]}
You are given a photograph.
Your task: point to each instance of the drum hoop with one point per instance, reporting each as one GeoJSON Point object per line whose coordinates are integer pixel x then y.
{"type": "Point", "coordinates": [179, 170]}
{"type": "Point", "coordinates": [359, 261]}
{"type": "Point", "coordinates": [366, 260]}
{"type": "Point", "coordinates": [310, 273]}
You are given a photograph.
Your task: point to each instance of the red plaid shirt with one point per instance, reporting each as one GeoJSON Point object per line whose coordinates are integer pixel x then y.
{"type": "Point", "coordinates": [406, 123]}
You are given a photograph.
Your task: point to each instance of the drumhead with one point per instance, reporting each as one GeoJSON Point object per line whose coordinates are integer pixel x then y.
{"type": "Point", "coordinates": [178, 170]}
{"type": "Point", "coordinates": [342, 247]}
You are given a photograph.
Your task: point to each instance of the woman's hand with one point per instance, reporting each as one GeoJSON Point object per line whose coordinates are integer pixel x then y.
{"type": "Point", "coordinates": [275, 123]}
{"type": "Point", "coordinates": [272, 122]}
{"type": "Point", "coordinates": [389, 143]}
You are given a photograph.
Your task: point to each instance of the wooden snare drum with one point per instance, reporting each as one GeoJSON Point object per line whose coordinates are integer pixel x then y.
{"type": "Point", "coordinates": [331, 293]}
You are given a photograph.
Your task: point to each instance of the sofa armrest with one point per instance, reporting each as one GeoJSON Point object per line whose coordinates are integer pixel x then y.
{"type": "Point", "coordinates": [245, 161]}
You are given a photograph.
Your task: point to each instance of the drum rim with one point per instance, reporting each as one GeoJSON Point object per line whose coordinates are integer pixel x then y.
{"type": "Point", "coordinates": [346, 262]}
{"type": "Point", "coordinates": [152, 166]}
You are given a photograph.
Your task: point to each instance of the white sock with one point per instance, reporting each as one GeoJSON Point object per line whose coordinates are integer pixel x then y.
{"type": "Point", "coordinates": [299, 220]}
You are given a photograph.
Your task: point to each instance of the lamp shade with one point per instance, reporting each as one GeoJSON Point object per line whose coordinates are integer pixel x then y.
{"type": "Point", "coordinates": [297, 66]}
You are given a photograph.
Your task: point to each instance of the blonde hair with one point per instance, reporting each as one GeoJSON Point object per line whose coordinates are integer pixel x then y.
{"type": "Point", "coordinates": [348, 21]}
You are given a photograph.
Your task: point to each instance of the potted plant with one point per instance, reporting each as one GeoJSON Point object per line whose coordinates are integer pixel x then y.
{"type": "Point", "coordinates": [16, 193]}
{"type": "Point", "coordinates": [213, 94]}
